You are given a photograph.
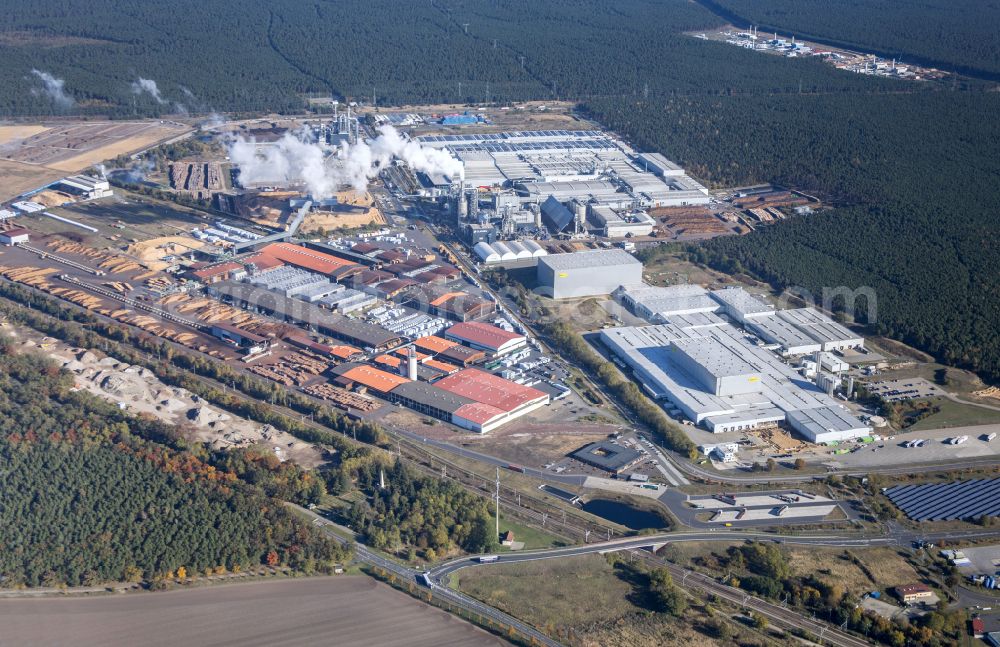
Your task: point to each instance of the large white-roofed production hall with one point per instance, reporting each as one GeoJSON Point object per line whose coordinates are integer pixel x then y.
{"type": "Point", "coordinates": [717, 378]}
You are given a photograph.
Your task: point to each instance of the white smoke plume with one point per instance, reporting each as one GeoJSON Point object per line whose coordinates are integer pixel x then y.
{"type": "Point", "coordinates": [323, 169]}
{"type": "Point", "coordinates": [135, 172]}
{"type": "Point", "coordinates": [149, 87]}
{"type": "Point", "coordinates": [213, 121]}
{"type": "Point", "coordinates": [55, 88]}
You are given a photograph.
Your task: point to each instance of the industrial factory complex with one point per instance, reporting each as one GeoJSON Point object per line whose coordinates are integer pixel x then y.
{"type": "Point", "coordinates": [394, 315]}
{"type": "Point", "coordinates": [697, 361]}
{"type": "Point", "coordinates": [523, 186]}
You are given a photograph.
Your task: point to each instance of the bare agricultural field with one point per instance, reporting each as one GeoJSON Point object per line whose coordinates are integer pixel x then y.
{"type": "Point", "coordinates": [344, 611]}
{"type": "Point", "coordinates": [73, 146]}
{"type": "Point", "coordinates": [17, 178]}
{"type": "Point", "coordinates": [32, 155]}
{"type": "Point", "coordinates": [12, 132]}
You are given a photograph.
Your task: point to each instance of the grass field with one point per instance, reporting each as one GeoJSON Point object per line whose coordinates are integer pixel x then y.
{"type": "Point", "coordinates": [953, 414]}
{"type": "Point", "coordinates": [829, 565]}
{"type": "Point", "coordinates": [532, 537]}
{"type": "Point", "coordinates": [586, 602]}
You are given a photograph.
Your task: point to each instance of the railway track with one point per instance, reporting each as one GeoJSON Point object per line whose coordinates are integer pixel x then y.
{"type": "Point", "coordinates": [776, 614]}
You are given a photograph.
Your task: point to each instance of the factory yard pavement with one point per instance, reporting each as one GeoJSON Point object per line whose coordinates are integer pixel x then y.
{"type": "Point", "coordinates": [884, 609]}
{"type": "Point", "coordinates": [893, 452]}
{"type": "Point", "coordinates": [624, 487]}
{"type": "Point", "coordinates": [985, 560]}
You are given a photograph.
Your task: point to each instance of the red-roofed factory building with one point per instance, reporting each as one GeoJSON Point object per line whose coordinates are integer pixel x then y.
{"type": "Point", "coordinates": [494, 400]}
{"type": "Point", "coordinates": [483, 336]}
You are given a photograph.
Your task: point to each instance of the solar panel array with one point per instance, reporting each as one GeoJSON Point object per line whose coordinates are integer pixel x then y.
{"type": "Point", "coordinates": [948, 501]}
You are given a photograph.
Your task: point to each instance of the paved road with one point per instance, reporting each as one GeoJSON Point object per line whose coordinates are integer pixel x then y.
{"type": "Point", "coordinates": [688, 580]}
{"type": "Point", "coordinates": [779, 615]}
{"type": "Point", "coordinates": [954, 398]}
{"type": "Point", "coordinates": [631, 543]}
{"type": "Point", "coordinates": [456, 598]}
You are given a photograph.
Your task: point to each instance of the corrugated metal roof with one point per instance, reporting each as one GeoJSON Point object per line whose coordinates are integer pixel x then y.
{"type": "Point", "coordinates": [490, 389]}
{"type": "Point", "coordinates": [482, 334]}
{"type": "Point", "coordinates": [433, 343]}
{"type": "Point", "coordinates": [305, 258]}
{"type": "Point", "coordinates": [373, 378]}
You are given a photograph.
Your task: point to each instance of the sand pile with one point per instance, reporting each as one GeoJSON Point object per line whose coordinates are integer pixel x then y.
{"type": "Point", "coordinates": [143, 393]}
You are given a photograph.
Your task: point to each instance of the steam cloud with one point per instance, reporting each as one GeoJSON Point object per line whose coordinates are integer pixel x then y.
{"type": "Point", "coordinates": [149, 87]}
{"type": "Point", "coordinates": [55, 89]}
{"type": "Point", "coordinates": [294, 158]}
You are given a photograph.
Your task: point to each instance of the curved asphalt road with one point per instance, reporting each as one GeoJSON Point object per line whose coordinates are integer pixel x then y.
{"type": "Point", "coordinates": [457, 598]}
{"type": "Point", "coordinates": [778, 614]}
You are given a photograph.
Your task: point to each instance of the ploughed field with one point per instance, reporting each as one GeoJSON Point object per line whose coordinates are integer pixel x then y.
{"type": "Point", "coordinates": [343, 611]}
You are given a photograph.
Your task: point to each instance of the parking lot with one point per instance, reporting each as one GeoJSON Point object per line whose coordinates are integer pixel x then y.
{"type": "Point", "coordinates": [936, 448]}
{"type": "Point", "coordinates": [911, 388]}
{"type": "Point", "coordinates": [985, 560]}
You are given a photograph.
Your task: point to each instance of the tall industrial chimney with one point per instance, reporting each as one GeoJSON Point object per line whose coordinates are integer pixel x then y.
{"type": "Point", "coordinates": [461, 206]}
{"type": "Point", "coordinates": [473, 203]}
{"type": "Point", "coordinates": [411, 363]}
{"type": "Point", "coordinates": [579, 216]}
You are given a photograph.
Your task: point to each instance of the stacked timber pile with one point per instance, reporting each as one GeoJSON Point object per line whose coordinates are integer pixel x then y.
{"type": "Point", "coordinates": [341, 398]}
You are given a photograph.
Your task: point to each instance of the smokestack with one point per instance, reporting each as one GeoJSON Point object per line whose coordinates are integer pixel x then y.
{"type": "Point", "coordinates": [461, 205]}
{"type": "Point", "coordinates": [580, 215]}
{"type": "Point", "coordinates": [473, 203]}
{"type": "Point", "coordinates": [411, 363]}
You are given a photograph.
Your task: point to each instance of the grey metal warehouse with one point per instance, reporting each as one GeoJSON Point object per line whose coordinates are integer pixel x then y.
{"type": "Point", "coordinates": [429, 400]}
{"type": "Point", "coordinates": [305, 314]}
{"type": "Point", "coordinates": [589, 273]}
